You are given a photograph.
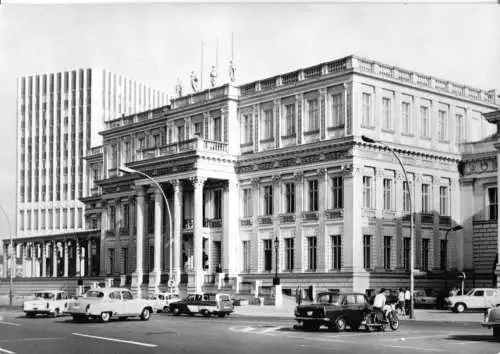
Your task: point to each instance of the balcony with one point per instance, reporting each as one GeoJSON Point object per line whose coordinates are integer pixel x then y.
{"type": "Point", "coordinates": [310, 215]}
{"type": "Point", "coordinates": [124, 231]}
{"type": "Point", "coordinates": [445, 220]}
{"type": "Point", "coordinates": [427, 219]}
{"type": "Point", "coordinates": [333, 214]}
{"type": "Point", "coordinates": [94, 191]}
{"type": "Point", "coordinates": [212, 223]}
{"type": "Point", "coordinates": [197, 145]}
{"type": "Point", "coordinates": [247, 221]}
{"type": "Point", "coordinates": [265, 220]}
{"type": "Point", "coordinates": [110, 233]}
{"type": "Point", "coordinates": [287, 218]}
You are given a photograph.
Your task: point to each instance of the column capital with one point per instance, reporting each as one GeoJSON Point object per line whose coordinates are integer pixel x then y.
{"type": "Point", "coordinates": [276, 179]}
{"type": "Point", "coordinates": [198, 181]}
{"type": "Point", "coordinates": [177, 184]}
{"type": "Point", "coordinates": [298, 176]}
{"type": "Point", "coordinates": [321, 172]}
{"type": "Point", "coordinates": [140, 193]}
{"type": "Point", "coordinates": [232, 184]}
{"type": "Point", "coordinates": [158, 192]}
{"type": "Point", "coordinates": [255, 182]}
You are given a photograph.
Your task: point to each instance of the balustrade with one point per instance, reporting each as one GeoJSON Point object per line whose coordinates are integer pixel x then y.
{"type": "Point", "coordinates": [427, 218]}
{"type": "Point", "coordinates": [287, 218]}
{"type": "Point", "coordinates": [332, 214]}
{"type": "Point", "coordinates": [265, 220]}
{"type": "Point", "coordinates": [246, 221]}
{"type": "Point", "coordinates": [310, 215]}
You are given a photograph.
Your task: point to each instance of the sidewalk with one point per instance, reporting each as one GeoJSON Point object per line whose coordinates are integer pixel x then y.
{"type": "Point", "coordinates": [287, 311]}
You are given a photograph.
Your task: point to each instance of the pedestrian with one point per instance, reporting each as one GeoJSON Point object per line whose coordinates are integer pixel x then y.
{"type": "Point", "coordinates": [298, 295]}
{"type": "Point", "coordinates": [407, 301]}
{"type": "Point", "coordinates": [401, 301]}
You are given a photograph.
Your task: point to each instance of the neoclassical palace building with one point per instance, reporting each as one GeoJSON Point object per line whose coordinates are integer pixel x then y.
{"type": "Point", "coordinates": [274, 176]}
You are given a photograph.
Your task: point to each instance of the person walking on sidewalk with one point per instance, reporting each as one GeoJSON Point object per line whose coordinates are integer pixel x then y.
{"type": "Point", "coordinates": [401, 301]}
{"type": "Point", "coordinates": [407, 302]}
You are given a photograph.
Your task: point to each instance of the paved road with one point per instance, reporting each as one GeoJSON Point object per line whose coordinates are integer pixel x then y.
{"type": "Point", "coordinates": [236, 334]}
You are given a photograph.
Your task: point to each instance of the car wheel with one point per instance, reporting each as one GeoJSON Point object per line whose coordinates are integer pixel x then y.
{"type": "Point", "coordinates": [393, 321]}
{"type": "Point", "coordinates": [205, 313]}
{"type": "Point", "coordinates": [221, 314]}
{"type": "Point", "coordinates": [496, 333]}
{"type": "Point", "coordinates": [176, 311]}
{"type": "Point", "coordinates": [460, 308]}
{"type": "Point", "coordinates": [166, 309]}
{"type": "Point", "coordinates": [105, 317]}
{"type": "Point", "coordinates": [340, 324]}
{"type": "Point", "coordinates": [146, 314]}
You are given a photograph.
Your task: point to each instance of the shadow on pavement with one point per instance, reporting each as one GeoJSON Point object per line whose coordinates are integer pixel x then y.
{"type": "Point", "coordinates": [473, 338]}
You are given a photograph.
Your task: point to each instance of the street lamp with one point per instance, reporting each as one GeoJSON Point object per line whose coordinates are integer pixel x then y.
{"type": "Point", "coordinates": [412, 227]}
{"type": "Point", "coordinates": [276, 280]}
{"type": "Point", "coordinates": [12, 266]}
{"type": "Point", "coordinates": [456, 228]}
{"type": "Point", "coordinates": [126, 169]}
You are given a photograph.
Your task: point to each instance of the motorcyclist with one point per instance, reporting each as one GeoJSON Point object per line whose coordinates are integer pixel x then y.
{"type": "Point", "coordinates": [379, 305]}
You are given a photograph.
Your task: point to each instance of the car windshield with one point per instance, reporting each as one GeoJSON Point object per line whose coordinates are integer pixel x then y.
{"type": "Point", "coordinates": [46, 296]}
{"type": "Point", "coordinates": [94, 293]}
{"type": "Point", "coordinates": [329, 299]}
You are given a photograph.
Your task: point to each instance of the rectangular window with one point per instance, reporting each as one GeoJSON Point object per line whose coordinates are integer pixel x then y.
{"type": "Point", "coordinates": [367, 191]}
{"type": "Point", "coordinates": [443, 254]}
{"type": "Point", "coordinates": [289, 198]}
{"type": "Point", "coordinates": [65, 216]}
{"type": "Point", "coordinates": [124, 251]}
{"type": "Point", "coordinates": [338, 192]}
{"type": "Point", "coordinates": [493, 203]}
{"type": "Point", "coordinates": [112, 219]}
{"type": "Point", "coordinates": [268, 255]}
{"type": "Point", "coordinates": [268, 200]}
{"type": "Point", "coordinates": [312, 115]}
{"type": "Point", "coordinates": [111, 260]}
{"type": "Point", "coordinates": [406, 197]}
{"type": "Point", "coordinates": [198, 129]}
{"type": "Point", "coordinates": [247, 203]}
{"type": "Point", "coordinates": [406, 253]}
{"type": "Point", "coordinates": [444, 201]}
{"type": "Point", "coordinates": [387, 113]}
{"type": "Point", "coordinates": [289, 251]}
{"type": "Point", "coordinates": [267, 125]}
{"type": "Point", "coordinates": [406, 116]}
{"type": "Point", "coordinates": [113, 156]}
{"type": "Point", "coordinates": [42, 219]}
{"type": "Point", "coordinates": [289, 128]}
{"type": "Point", "coordinates": [387, 194]}
{"type": "Point", "coordinates": [247, 128]}
{"type": "Point", "coordinates": [367, 251]}
{"type": "Point", "coordinates": [337, 110]}
{"type": "Point", "coordinates": [246, 256]}
{"type": "Point", "coordinates": [313, 195]}
{"type": "Point", "coordinates": [387, 252]}
{"type": "Point", "coordinates": [49, 219]}
{"type": "Point", "coordinates": [425, 254]}
{"type": "Point", "coordinates": [218, 204]}
{"type": "Point", "coordinates": [424, 116]}
{"type": "Point", "coordinates": [128, 152]}
{"type": "Point", "coordinates": [442, 126]}
{"type": "Point", "coordinates": [180, 133]}
{"type": "Point", "coordinates": [126, 216]}
{"type": "Point", "coordinates": [217, 129]}
{"type": "Point", "coordinates": [426, 204]}
{"type": "Point", "coordinates": [336, 252]}
{"type": "Point", "coordinates": [312, 252]}
{"type": "Point", "coordinates": [71, 217]}
{"type": "Point", "coordinates": [460, 128]}
{"type": "Point", "coordinates": [366, 99]}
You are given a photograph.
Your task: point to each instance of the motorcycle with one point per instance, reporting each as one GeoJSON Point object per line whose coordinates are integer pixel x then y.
{"type": "Point", "coordinates": [372, 322]}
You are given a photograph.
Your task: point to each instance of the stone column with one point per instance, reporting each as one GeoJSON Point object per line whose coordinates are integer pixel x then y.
{"type": "Point", "coordinates": [44, 260]}
{"type": "Point", "coordinates": [398, 208]}
{"type": "Point", "coordinates": [255, 248]}
{"type": "Point", "coordinates": [456, 238]}
{"type": "Point", "coordinates": [378, 249]}
{"type": "Point", "coordinates": [137, 275]}
{"type": "Point", "coordinates": [277, 193]}
{"type": "Point", "coordinates": [54, 259]}
{"type": "Point", "coordinates": [89, 257]}
{"type": "Point", "coordinates": [231, 228]}
{"type": "Point", "coordinates": [117, 230]}
{"type": "Point", "coordinates": [23, 256]}
{"type": "Point", "coordinates": [66, 264]}
{"type": "Point", "coordinates": [322, 236]}
{"type": "Point", "coordinates": [102, 244]}
{"type": "Point", "coordinates": [77, 257]}
{"type": "Point", "coordinates": [5, 260]}
{"type": "Point", "coordinates": [417, 210]}
{"type": "Point", "coordinates": [299, 207]}
{"type": "Point", "coordinates": [33, 259]}
{"type": "Point", "coordinates": [197, 281]}
{"type": "Point", "coordinates": [155, 275]}
{"type": "Point", "coordinates": [175, 273]}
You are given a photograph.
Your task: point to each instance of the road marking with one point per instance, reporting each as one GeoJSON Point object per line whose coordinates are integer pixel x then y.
{"type": "Point", "coordinates": [10, 323]}
{"type": "Point", "coordinates": [247, 329]}
{"type": "Point", "coordinates": [272, 329]}
{"type": "Point", "coordinates": [29, 339]}
{"type": "Point", "coordinates": [6, 351]}
{"type": "Point", "coordinates": [414, 348]}
{"type": "Point", "coordinates": [117, 340]}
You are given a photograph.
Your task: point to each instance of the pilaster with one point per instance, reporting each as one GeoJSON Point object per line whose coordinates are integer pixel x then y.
{"type": "Point", "coordinates": [197, 278]}
{"type": "Point", "coordinates": [178, 190]}
{"type": "Point", "coordinates": [54, 259]}
{"type": "Point", "coordinates": [254, 241]}
{"type": "Point", "coordinates": [44, 260]}
{"type": "Point", "coordinates": [277, 118]}
{"type": "Point", "coordinates": [322, 113]}
{"type": "Point", "coordinates": [457, 239]}
{"type": "Point", "coordinates": [77, 257]}
{"type": "Point", "coordinates": [299, 239]}
{"type": "Point", "coordinates": [398, 207]}
{"type": "Point", "coordinates": [102, 249]}
{"type": "Point", "coordinates": [322, 239]}
{"type": "Point", "coordinates": [66, 264]}
{"type": "Point", "coordinates": [417, 210]}
{"type": "Point", "coordinates": [137, 275]}
{"type": "Point", "coordinates": [155, 275]}
{"type": "Point", "coordinates": [299, 101]}
{"type": "Point", "coordinates": [231, 237]}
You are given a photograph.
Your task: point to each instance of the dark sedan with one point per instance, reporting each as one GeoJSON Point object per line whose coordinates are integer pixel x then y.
{"type": "Point", "coordinates": [336, 311]}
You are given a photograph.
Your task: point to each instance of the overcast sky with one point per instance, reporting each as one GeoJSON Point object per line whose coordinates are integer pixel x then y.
{"type": "Point", "coordinates": [156, 44]}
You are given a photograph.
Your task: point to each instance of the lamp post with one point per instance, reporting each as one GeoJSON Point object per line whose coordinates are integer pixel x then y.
{"type": "Point", "coordinates": [12, 268]}
{"type": "Point", "coordinates": [131, 170]}
{"type": "Point", "coordinates": [456, 228]}
{"type": "Point", "coordinates": [276, 280]}
{"type": "Point", "coordinates": [412, 226]}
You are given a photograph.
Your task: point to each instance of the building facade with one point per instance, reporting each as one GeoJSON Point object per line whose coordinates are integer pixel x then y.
{"type": "Point", "coordinates": [273, 176]}
{"type": "Point", "coordinates": [60, 116]}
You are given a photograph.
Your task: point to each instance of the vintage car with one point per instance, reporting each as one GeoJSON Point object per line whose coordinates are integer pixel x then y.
{"type": "Point", "coordinates": [492, 319]}
{"type": "Point", "coordinates": [47, 302]}
{"type": "Point", "coordinates": [105, 303]}
{"type": "Point", "coordinates": [162, 301]}
{"type": "Point", "coordinates": [478, 298]}
{"type": "Point", "coordinates": [206, 304]}
{"type": "Point", "coordinates": [334, 310]}
{"type": "Point", "coordinates": [424, 298]}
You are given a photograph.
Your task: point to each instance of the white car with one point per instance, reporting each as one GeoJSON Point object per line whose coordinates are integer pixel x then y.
{"type": "Point", "coordinates": [478, 298]}
{"type": "Point", "coordinates": [105, 303]}
{"type": "Point", "coordinates": [162, 301]}
{"type": "Point", "coordinates": [47, 302]}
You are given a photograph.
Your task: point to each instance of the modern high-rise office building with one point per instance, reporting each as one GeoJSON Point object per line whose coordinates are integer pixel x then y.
{"type": "Point", "coordinates": [59, 117]}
